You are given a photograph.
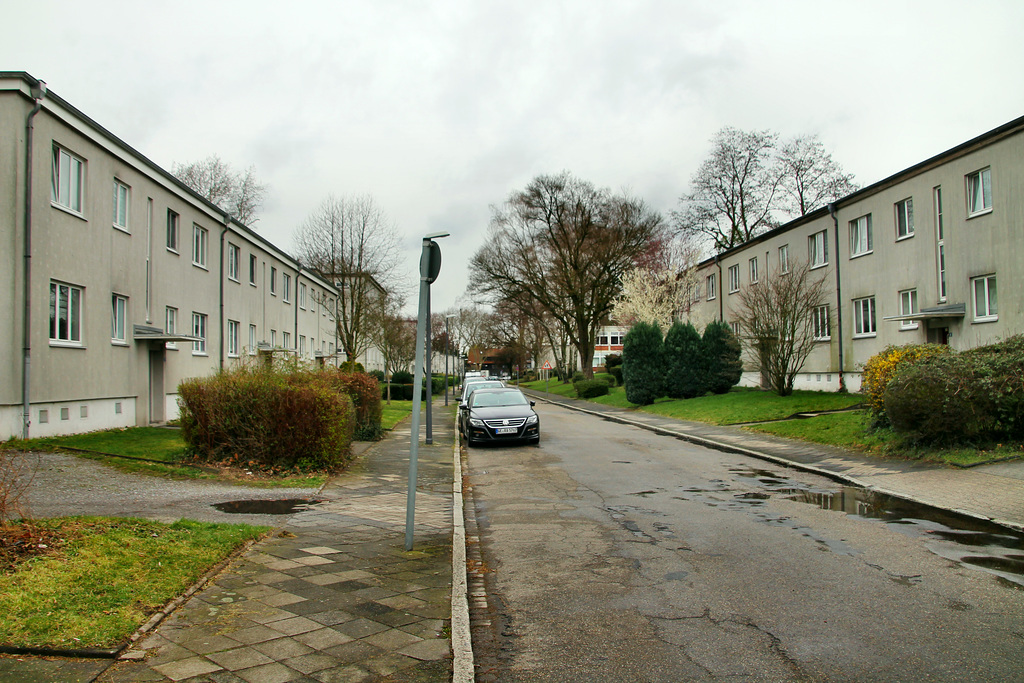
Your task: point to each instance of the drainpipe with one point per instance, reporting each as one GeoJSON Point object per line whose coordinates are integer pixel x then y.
{"type": "Point", "coordinates": [839, 299]}
{"type": "Point", "coordinates": [721, 291]}
{"type": "Point", "coordinates": [220, 294]}
{"type": "Point", "coordinates": [38, 93]}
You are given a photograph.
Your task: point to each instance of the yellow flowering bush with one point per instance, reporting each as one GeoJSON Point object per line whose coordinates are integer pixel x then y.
{"type": "Point", "coordinates": [882, 367]}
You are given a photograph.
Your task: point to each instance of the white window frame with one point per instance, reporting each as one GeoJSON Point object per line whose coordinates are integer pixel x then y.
{"type": "Point", "coordinates": [69, 300]}
{"type": "Point", "coordinates": [122, 203]}
{"type": "Point", "coordinates": [173, 221]}
{"type": "Point", "coordinates": [254, 265]}
{"type": "Point", "coordinates": [273, 339]}
{"type": "Point", "coordinates": [234, 261]}
{"type": "Point", "coordinates": [978, 186]}
{"type": "Point", "coordinates": [233, 332]}
{"type": "Point", "coordinates": [171, 324]}
{"type": "Point", "coordinates": [119, 319]}
{"type": "Point", "coordinates": [273, 281]}
{"type": "Point", "coordinates": [286, 340]}
{"type": "Point", "coordinates": [67, 181]}
{"type": "Point", "coordinates": [988, 311]}
{"type": "Point", "coordinates": [908, 306]}
{"type": "Point", "coordinates": [861, 239]}
{"type": "Point", "coordinates": [200, 238]}
{"type": "Point", "coordinates": [817, 249]}
{"type": "Point", "coordinates": [735, 327]}
{"type": "Point", "coordinates": [734, 278]}
{"type": "Point", "coordinates": [940, 243]}
{"type": "Point", "coordinates": [865, 322]}
{"type": "Point", "coordinates": [821, 323]}
{"type": "Point", "coordinates": [904, 217]}
{"type": "Point", "coordinates": [712, 286]}
{"type": "Point", "coordinates": [302, 345]}
{"type": "Point", "coordinates": [252, 339]}
{"type": "Point", "coordinates": [302, 295]}
{"type": "Point", "coordinates": [199, 322]}
{"type": "Point", "coordinates": [784, 259]}
{"type": "Point", "coordinates": [286, 288]}
{"type": "Point", "coordinates": [753, 270]}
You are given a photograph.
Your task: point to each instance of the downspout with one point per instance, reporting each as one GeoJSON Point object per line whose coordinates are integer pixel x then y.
{"type": "Point", "coordinates": [220, 279]}
{"type": "Point", "coordinates": [38, 93]}
{"type": "Point", "coordinates": [839, 299]}
{"type": "Point", "coordinates": [721, 294]}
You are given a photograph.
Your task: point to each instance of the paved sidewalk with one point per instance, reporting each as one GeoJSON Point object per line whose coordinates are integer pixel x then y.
{"type": "Point", "coordinates": [331, 597]}
{"type": "Point", "coordinates": [994, 492]}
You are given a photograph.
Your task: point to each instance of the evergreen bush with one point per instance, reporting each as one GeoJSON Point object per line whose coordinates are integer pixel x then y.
{"type": "Point", "coordinates": [616, 372]}
{"type": "Point", "coordinates": [685, 373]}
{"type": "Point", "coordinates": [591, 388]}
{"type": "Point", "coordinates": [643, 363]}
{"type": "Point", "coordinates": [401, 377]}
{"type": "Point", "coordinates": [883, 366]}
{"type": "Point", "coordinates": [722, 353]}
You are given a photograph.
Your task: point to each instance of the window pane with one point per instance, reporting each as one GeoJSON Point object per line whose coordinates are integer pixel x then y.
{"type": "Point", "coordinates": [75, 314]}
{"type": "Point", "coordinates": [53, 311]}
{"type": "Point", "coordinates": [979, 298]}
{"type": "Point", "coordinates": [993, 309]}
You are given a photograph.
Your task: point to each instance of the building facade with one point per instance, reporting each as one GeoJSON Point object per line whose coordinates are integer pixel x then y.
{"type": "Point", "coordinates": [934, 253]}
{"type": "Point", "coordinates": [118, 282]}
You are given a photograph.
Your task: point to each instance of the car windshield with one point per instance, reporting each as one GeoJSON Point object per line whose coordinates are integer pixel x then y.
{"type": "Point", "coordinates": [470, 388]}
{"type": "Point", "coordinates": [493, 399]}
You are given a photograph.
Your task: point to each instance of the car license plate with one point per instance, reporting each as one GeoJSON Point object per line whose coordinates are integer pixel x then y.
{"type": "Point", "coordinates": [505, 430]}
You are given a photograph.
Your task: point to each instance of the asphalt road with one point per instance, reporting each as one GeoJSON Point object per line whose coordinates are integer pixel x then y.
{"type": "Point", "coordinates": [613, 554]}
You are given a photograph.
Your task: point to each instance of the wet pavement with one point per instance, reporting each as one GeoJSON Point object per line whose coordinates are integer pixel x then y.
{"type": "Point", "coordinates": [988, 492]}
{"type": "Point", "coordinates": [331, 596]}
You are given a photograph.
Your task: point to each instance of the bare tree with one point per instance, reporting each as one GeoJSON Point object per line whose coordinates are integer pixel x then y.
{"type": "Point", "coordinates": [780, 319]}
{"type": "Point", "coordinates": [748, 185]}
{"type": "Point", "coordinates": [240, 194]}
{"type": "Point", "coordinates": [468, 328]}
{"type": "Point", "coordinates": [395, 336]}
{"type": "Point", "coordinates": [732, 194]}
{"type": "Point", "coordinates": [811, 178]}
{"type": "Point", "coordinates": [565, 245]}
{"type": "Point", "coordinates": [351, 243]}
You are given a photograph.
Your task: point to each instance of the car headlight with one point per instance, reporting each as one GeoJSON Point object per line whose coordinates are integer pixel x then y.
{"type": "Point", "coordinates": [475, 422]}
{"type": "Point", "coordinates": [532, 420]}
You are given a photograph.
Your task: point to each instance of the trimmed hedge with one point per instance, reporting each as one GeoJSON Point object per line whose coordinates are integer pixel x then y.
{"type": "Point", "coordinates": [266, 420]}
{"type": "Point", "coordinates": [365, 392]}
{"type": "Point", "coordinates": [883, 366]}
{"type": "Point", "coordinates": [591, 388]}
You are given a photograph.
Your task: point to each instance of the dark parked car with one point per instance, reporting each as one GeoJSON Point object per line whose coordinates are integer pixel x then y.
{"type": "Point", "coordinates": [497, 415]}
{"type": "Point", "coordinates": [468, 390]}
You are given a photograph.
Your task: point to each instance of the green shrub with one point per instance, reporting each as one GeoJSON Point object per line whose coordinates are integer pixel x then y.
{"type": "Point", "coordinates": [365, 393]}
{"type": "Point", "coordinates": [577, 376]}
{"type": "Point", "coordinates": [973, 396]}
{"type": "Point", "coordinates": [612, 360]}
{"type": "Point", "coordinates": [722, 352]}
{"type": "Point", "coordinates": [616, 372]}
{"type": "Point", "coordinates": [685, 373]}
{"type": "Point", "coordinates": [606, 377]}
{"type": "Point", "coordinates": [643, 363]}
{"type": "Point", "coordinates": [378, 375]}
{"type": "Point", "coordinates": [591, 388]}
{"type": "Point", "coordinates": [401, 377]}
{"type": "Point", "coordinates": [882, 367]}
{"type": "Point", "coordinates": [267, 420]}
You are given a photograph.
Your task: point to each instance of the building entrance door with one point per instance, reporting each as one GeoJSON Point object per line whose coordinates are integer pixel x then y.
{"type": "Point", "coordinates": [156, 384]}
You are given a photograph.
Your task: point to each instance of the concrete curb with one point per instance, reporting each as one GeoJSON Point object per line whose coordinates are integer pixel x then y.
{"type": "Point", "coordinates": [730, 448]}
{"type": "Point", "coordinates": [462, 642]}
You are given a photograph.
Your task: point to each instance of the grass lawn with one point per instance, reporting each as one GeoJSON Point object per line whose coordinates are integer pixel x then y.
{"type": "Point", "coordinates": [395, 412]}
{"type": "Point", "coordinates": [107, 577]}
{"type": "Point", "coordinates": [852, 430]}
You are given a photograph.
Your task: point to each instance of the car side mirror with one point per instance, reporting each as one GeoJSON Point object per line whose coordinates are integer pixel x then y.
{"type": "Point", "coordinates": [463, 406]}
{"type": "Point", "coordinates": [533, 403]}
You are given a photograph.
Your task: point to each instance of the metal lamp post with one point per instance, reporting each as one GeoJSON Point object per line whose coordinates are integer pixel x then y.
{"type": "Point", "coordinates": [447, 339]}
{"type": "Point", "coordinates": [430, 266]}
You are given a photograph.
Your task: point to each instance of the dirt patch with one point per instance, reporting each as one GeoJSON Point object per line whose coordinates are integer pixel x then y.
{"type": "Point", "coordinates": [20, 542]}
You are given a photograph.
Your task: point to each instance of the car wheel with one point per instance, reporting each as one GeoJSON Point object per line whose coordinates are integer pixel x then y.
{"type": "Point", "coordinates": [535, 442]}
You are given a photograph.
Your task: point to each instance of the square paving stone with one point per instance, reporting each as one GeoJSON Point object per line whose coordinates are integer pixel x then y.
{"type": "Point", "coordinates": [283, 648]}
{"type": "Point", "coordinates": [239, 658]}
{"type": "Point", "coordinates": [205, 643]}
{"type": "Point", "coordinates": [291, 627]}
{"type": "Point", "coordinates": [323, 638]}
{"type": "Point", "coordinates": [390, 663]}
{"type": "Point", "coordinates": [360, 628]}
{"type": "Point", "coordinates": [269, 673]}
{"type": "Point", "coordinates": [345, 674]}
{"type": "Point", "coordinates": [356, 651]}
{"type": "Point", "coordinates": [332, 617]}
{"type": "Point", "coordinates": [392, 639]}
{"type": "Point", "coordinates": [428, 650]}
{"type": "Point", "coordinates": [256, 634]}
{"type": "Point", "coordinates": [280, 599]}
{"type": "Point", "coordinates": [187, 668]}
{"type": "Point", "coordinates": [311, 663]}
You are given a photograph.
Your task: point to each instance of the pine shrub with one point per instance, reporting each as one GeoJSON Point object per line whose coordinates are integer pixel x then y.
{"type": "Point", "coordinates": [643, 365]}
{"type": "Point", "coordinates": [722, 351]}
{"type": "Point", "coordinates": [685, 374]}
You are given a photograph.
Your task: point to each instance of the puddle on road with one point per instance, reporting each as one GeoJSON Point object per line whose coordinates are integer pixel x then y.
{"type": "Point", "coordinates": [975, 543]}
{"type": "Point", "coordinates": [284, 506]}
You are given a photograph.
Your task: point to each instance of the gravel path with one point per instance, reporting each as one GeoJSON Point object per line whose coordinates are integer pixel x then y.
{"type": "Point", "coordinates": [67, 485]}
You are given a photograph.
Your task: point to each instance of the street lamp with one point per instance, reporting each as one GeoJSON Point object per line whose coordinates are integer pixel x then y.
{"type": "Point", "coordinates": [430, 266]}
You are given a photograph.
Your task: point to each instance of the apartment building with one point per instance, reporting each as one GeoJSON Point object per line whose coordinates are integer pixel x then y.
{"type": "Point", "coordinates": [118, 282]}
{"type": "Point", "coordinates": [934, 253]}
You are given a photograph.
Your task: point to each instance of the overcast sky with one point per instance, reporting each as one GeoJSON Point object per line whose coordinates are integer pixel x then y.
{"type": "Point", "coordinates": [440, 109]}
